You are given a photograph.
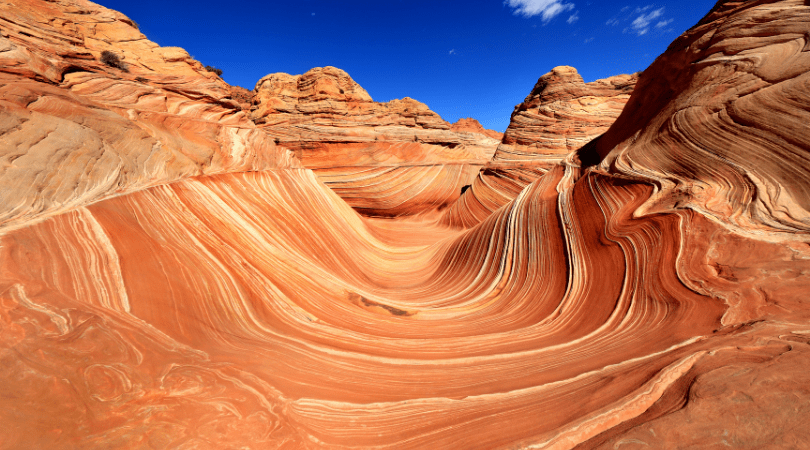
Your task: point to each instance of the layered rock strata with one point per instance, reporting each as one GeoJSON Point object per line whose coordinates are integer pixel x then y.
{"type": "Point", "coordinates": [468, 124]}
{"type": "Point", "coordinates": [561, 114]}
{"type": "Point", "coordinates": [737, 73]}
{"type": "Point", "coordinates": [75, 130]}
{"type": "Point", "coordinates": [258, 309]}
{"type": "Point", "coordinates": [375, 155]}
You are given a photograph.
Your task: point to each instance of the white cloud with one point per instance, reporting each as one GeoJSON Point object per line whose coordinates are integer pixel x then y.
{"type": "Point", "coordinates": [640, 20]}
{"type": "Point", "coordinates": [452, 52]}
{"type": "Point", "coordinates": [574, 17]}
{"type": "Point", "coordinates": [641, 25]}
{"type": "Point", "coordinates": [663, 23]}
{"type": "Point", "coordinates": [548, 9]}
{"type": "Point", "coordinates": [618, 17]}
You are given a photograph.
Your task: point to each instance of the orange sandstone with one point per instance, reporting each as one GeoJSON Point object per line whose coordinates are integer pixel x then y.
{"type": "Point", "coordinates": [385, 159]}
{"type": "Point", "coordinates": [172, 276]}
{"type": "Point", "coordinates": [561, 114]}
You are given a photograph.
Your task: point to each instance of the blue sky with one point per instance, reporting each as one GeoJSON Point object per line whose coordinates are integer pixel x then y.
{"type": "Point", "coordinates": [477, 58]}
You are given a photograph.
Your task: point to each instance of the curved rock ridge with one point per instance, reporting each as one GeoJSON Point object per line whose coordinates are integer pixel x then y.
{"type": "Point", "coordinates": [258, 309]}
{"type": "Point", "coordinates": [375, 155]}
{"type": "Point", "coordinates": [496, 185]}
{"type": "Point", "coordinates": [236, 322]}
{"type": "Point", "coordinates": [250, 326]}
{"type": "Point", "coordinates": [75, 130]}
{"type": "Point", "coordinates": [744, 70]}
{"type": "Point", "coordinates": [561, 114]}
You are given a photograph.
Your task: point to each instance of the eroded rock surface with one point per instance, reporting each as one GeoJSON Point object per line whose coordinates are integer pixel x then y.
{"type": "Point", "coordinates": [471, 125]}
{"type": "Point", "coordinates": [561, 114]}
{"type": "Point", "coordinates": [379, 157]}
{"type": "Point", "coordinates": [233, 304]}
{"type": "Point", "coordinates": [740, 72]}
{"type": "Point", "coordinates": [75, 130]}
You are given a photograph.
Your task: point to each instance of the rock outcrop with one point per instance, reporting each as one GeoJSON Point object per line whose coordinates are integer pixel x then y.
{"type": "Point", "coordinates": [242, 96]}
{"type": "Point", "coordinates": [561, 114]}
{"type": "Point", "coordinates": [223, 297]}
{"type": "Point", "coordinates": [376, 156]}
{"type": "Point", "coordinates": [471, 125]}
{"type": "Point", "coordinates": [75, 130]}
{"type": "Point", "coordinates": [737, 73]}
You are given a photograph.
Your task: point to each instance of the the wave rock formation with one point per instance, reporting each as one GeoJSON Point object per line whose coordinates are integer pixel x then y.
{"type": "Point", "coordinates": [179, 272]}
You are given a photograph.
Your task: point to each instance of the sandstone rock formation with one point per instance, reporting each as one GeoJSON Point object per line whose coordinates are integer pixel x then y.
{"type": "Point", "coordinates": [75, 130]}
{"type": "Point", "coordinates": [376, 156]}
{"type": "Point", "coordinates": [471, 125]}
{"type": "Point", "coordinates": [750, 74]}
{"type": "Point", "coordinates": [242, 96]}
{"type": "Point", "coordinates": [216, 295]}
{"type": "Point", "coordinates": [561, 114]}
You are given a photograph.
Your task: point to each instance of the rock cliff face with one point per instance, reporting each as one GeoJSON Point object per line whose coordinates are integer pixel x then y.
{"type": "Point", "coordinates": [750, 73]}
{"type": "Point", "coordinates": [376, 156]}
{"type": "Point", "coordinates": [649, 290]}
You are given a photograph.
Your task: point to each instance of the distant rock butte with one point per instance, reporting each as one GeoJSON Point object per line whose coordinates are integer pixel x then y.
{"type": "Point", "coordinates": [171, 276]}
{"type": "Point", "coordinates": [473, 126]}
{"type": "Point", "coordinates": [376, 156]}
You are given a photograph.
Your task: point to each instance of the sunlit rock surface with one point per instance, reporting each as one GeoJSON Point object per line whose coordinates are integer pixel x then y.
{"type": "Point", "coordinates": [744, 71]}
{"type": "Point", "coordinates": [384, 159]}
{"type": "Point", "coordinates": [561, 114]}
{"type": "Point", "coordinates": [250, 306]}
{"type": "Point", "coordinates": [471, 125]}
{"type": "Point", "coordinates": [75, 130]}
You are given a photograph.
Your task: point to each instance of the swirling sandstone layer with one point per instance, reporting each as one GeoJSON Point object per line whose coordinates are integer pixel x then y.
{"type": "Point", "coordinates": [258, 309]}
{"type": "Point", "coordinates": [743, 71]}
{"type": "Point", "coordinates": [561, 114]}
{"type": "Point", "coordinates": [385, 159]}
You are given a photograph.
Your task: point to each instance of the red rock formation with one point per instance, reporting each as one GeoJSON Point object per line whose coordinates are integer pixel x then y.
{"type": "Point", "coordinates": [561, 114]}
{"type": "Point", "coordinates": [257, 309]}
{"type": "Point", "coordinates": [75, 130]}
{"type": "Point", "coordinates": [750, 74]}
{"type": "Point", "coordinates": [242, 96]}
{"type": "Point", "coordinates": [471, 125]}
{"type": "Point", "coordinates": [376, 156]}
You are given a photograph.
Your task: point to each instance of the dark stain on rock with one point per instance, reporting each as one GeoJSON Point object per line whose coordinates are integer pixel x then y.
{"type": "Point", "coordinates": [359, 299]}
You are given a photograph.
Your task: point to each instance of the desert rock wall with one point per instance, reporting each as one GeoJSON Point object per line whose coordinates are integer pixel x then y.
{"type": "Point", "coordinates": [560, 115]}
{"type": "Point", "coordinates": [718, 122]}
